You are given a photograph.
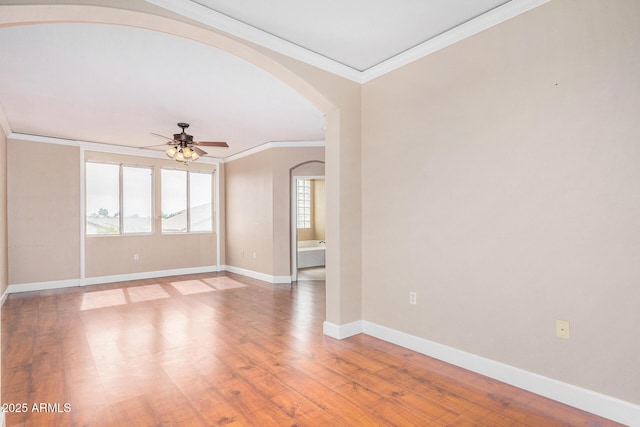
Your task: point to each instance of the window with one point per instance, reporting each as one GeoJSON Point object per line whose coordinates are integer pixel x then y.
{"type": "Point", "coordinates": [174, 200]}
{"type": "Point", "coordinates": [187, 201]}
{"type": "Point", "coordinates": [136, 200]}
{"type": "Point", "coordinates": [200, 189]}
{"type": "Point", "coordinates": [303, 197]}
{"type": "Point", "coordinates": [118, 199]}
{"type": "Point", "coordinates": [103, 198]}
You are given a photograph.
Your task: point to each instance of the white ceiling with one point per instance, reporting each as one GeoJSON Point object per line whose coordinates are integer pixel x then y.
{"type": "Point", "coordinates": [116, 85]}
{"type": "Point", "coordinates": [112, 84]}
{"type": "Point", "coordinates": [356, 33]}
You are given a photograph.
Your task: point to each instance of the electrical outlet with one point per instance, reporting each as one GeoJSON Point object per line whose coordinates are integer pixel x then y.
{"type": "Point", "coordinates": [254, 255]}
{"type": "Point", "coordinates": [562, 329]}
{"type": "Point", "coordinates": [413, 298]}
{"type": "Point", "coordinates": [136, 257]}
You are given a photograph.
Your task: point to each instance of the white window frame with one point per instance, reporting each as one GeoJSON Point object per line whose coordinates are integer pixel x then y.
{"type": "Point", "coordinates": [303, 211]}
{"type": "Point", "coordinates": [188, 205]}
{"type": "Point", "coordinates": [120, 200]}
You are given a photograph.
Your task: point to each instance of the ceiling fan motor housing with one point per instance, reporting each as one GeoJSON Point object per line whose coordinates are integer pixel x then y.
{"type": "Point", "coordinates": [183, 137]}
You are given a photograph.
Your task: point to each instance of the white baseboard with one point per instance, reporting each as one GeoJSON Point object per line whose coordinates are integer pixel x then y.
{"type": "Point", "coordinates": [68, 283]}
{"type": "Point", "coordinates": [342, 331]}
{"type": "Point", "coordinates": [256, 275]}
{"type": "Point", "coordinates": [57, 284]}
{"type": "Point", "coordinates": [43, 286]}
{"type": "Point", "coordinates": [149, 275]}
{"type": "Point", "coordinates": [605, 406]}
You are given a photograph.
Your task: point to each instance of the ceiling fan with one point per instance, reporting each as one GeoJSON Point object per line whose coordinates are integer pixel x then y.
{"type": "Point", "coordinates": [184, 149]}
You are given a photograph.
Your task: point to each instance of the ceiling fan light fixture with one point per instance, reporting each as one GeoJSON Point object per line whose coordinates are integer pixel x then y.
{"type": "Point", "coordinates": [183, 149]}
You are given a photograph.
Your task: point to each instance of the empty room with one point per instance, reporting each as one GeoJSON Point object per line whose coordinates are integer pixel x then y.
{"type": "Point", "coordinates": [418, 213]}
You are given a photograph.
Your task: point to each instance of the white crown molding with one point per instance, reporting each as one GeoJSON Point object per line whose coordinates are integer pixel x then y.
{"type": "Point", "coordinates": [296, 144]}
{"type": "Point", "coordinates": [104, 148]}
{"type": "Point", "coordinates": [133, 151]}
{"type": "Point", "coordinates": [274, 144]}
{"type": "Point", "coordinates": [228, 25]}
{"type": "Point", "coordinates": [43, 139]}
{"type": "Point", "coordinates": [459, 33]}
{"type": "Point", "coordinates": [231, 26]}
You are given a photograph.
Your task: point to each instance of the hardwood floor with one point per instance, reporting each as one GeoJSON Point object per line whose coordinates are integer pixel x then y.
{"type": "Point", "coordinates": [205, 350]}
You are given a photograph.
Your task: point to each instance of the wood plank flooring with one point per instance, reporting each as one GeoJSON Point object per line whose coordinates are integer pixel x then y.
{"type": "Point", "coordinates": [209, 349]}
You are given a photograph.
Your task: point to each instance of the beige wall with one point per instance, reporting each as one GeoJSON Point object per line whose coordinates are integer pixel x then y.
{"type": "Point", "coordinates": [4, 265]}
{"type": "Point", "coordinates": [44, 222]}
{"type": "Point", "coordinates": [509, 197]}
{"type": "Point", "coordinates": [4, 256]}
{"type": "Point", "coordinates": [258, 206]}
{"type": "Point", "coordinates": [249, 212]}
{"type": "Point", "coordinates": [43, 212]}
{"type": "Point", "coordinates": [319, 209]}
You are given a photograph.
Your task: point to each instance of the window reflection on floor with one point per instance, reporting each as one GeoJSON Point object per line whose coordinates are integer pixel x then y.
{"type": "Point", "coordinates": [101, 299]}
{"type": "Point", "coordinates": [223, 282]}
{"type": "Point", "coordinates": [188, 287]}
{"type": "Point", "coordinates": [146, 293]}
{"type": "Point", "coordinates": [134, 294]}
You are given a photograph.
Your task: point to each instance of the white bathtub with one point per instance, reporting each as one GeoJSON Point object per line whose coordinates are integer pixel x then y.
{"type": "Point", "coordinates": [311, 253]}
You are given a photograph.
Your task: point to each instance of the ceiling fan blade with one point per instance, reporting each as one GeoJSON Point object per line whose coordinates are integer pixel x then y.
{"type": "Point", "coordinates": [161, 136]}
{"type": "Point", "coordinates": [213, 144]}
{"type": "Point", "coordinates": [199, 151]}
{"type": "Point", "coordinates": [156, 145]}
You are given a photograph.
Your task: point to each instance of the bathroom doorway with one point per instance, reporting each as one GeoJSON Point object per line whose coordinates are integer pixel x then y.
{"type": "Point", "coordinates": [308, 224]}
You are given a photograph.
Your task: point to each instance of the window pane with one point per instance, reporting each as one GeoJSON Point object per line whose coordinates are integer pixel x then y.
{"type": "Point", "coordinates": [103, 198]}
{"type": "Point", "coordinates": [174, 200]}
{"type": "Point", "coordinates": [303, 197]}
{"type": "Point", "coordinates": [136, 199]}
{"type": "Point", "coordinates": [200, 201]}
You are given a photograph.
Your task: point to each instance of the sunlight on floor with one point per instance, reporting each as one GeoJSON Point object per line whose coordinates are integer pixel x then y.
{"type": "Point", "coordinates": [129, 295]}
{"type": "Point", "coordinates": [222, 282]}
{"type": "Point", "coordinates": [188, 287]}
{"type": "Point", "coordinates": [101, 299]}
{"type": "Point", "coordinates": [146, 293]}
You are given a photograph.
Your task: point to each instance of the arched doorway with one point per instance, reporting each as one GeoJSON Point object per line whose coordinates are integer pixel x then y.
{"type": "Point", "coordinates": [338, 99]}
{"type": "Point", "coordinates": [308, 220]}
